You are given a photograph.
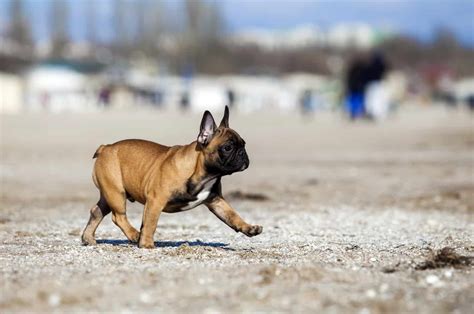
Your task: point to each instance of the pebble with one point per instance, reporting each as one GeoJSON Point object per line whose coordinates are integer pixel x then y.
{"type": "Point", "coordinates": [54, 300]}
{"type": "Point", "coordinates": [448, 274]}
{"type": "Point", "coordinates": [434, 281]}
{"type": "Point", "coordinates": [384, 288]}
{"type": "Point", "coordinates": [145, 297]}
{"type": "Point", "coordinates": [371, 293]}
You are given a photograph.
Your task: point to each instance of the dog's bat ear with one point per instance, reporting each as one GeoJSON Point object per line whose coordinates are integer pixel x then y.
{"type": "Point", "coordinates": [225, 118]}
{"type": "Point", "coordinates": [208, 127]}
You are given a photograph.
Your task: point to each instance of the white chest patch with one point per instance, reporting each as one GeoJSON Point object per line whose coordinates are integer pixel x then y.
{"type": "Point", "coordinates": [206, 190]}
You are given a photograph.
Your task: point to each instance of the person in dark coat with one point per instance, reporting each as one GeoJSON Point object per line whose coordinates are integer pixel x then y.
{"type": "Point", "coordinates": [360, 74]}
{"type": "Point", "coordinates": [356, 81]}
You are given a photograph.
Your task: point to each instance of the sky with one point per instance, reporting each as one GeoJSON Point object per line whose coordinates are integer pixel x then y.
{"type": "Point", "coordinates": [419, 18]}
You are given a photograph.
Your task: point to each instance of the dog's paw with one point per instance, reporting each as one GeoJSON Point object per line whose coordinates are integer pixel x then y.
{"type": "Point", "coordinates": [88, 240]}
{"type": "Point", "coordinates": [135, 237]}
{"type": "Point", "coordinates": [146, 245]}
{"type": "Point", "coordinates": [251, 231]}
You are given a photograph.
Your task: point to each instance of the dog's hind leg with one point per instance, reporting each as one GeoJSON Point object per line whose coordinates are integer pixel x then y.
{"type": "Point", "coordinates": [117, 203]}
{"type": "Point", "coordinates": [98, 212]}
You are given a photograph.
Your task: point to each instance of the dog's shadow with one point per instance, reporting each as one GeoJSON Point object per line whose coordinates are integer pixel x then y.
{"type": "Point", "coordinates": [171, 244]}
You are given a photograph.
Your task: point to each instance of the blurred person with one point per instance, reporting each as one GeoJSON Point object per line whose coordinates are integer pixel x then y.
{"type": "Point", "coordinates": [184, 101]}
{"type": "Point", "coordinates": [104, 97]}
{"type": "Point", "coordinates": [376, 67]}
{"type": "Point", "coordinates": [188, 75]}
{"type": "Point", "coordinates": [366, 95]}
{"type": "Point", "coordinates": [377, 100]}
{"type": "Point", "coordinates": [444, 89]}
{"type": "Point", "coordinates": [157, 98]}
{"type": "Point", "coordinates": [230, 98]}
{"type": "Point", "coordinates": [45, 100]}
{"type": "Point", "coordinates": [470, 102]}
{"type": "Point", "coordinates": [306, 102]}
{"type": "Point", "coordinates": [356, 81]}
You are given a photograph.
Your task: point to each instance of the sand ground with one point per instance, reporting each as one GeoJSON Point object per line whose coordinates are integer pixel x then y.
{"type": "Point", "coordinates": [350, 212]}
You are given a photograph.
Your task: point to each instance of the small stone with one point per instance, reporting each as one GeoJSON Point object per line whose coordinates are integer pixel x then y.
{"type": "Point", "coordinates": [434, 281]}
{"type": "Point", "coordinates": [54, 300]}
{"type": "Point", "coordinates": [371, 293]}
{"type": "Point", "coordinates": [448, 274]}
{"type": "Point", "coordinates": [388, 269]}
{"type": "Point", "coordinates": [145, 298]}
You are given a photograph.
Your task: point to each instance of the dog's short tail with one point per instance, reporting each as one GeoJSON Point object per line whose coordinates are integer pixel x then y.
{"type": "Point", "coordinates": [98, 151]}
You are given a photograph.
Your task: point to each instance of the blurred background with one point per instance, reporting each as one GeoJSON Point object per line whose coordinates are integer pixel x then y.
{"type": "Point", "coordinates": [364, 58]}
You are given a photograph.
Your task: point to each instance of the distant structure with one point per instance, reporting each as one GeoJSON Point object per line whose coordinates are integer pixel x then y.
{"type": "Point", "coordinates": [358, 35]}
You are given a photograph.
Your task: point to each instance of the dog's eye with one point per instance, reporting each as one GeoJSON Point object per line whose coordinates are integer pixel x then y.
{"type": "Point", "coordinates": [228, 147]}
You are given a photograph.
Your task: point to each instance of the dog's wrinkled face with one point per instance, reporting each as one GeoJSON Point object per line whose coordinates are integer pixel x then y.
{"type": "Point", "coordinates": [223, 148]}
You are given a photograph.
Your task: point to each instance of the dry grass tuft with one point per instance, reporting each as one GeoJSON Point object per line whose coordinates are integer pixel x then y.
{"type": "Point", "coordinates": [446, 257]}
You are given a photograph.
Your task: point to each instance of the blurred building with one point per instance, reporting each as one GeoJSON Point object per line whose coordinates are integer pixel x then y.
{"type": "Point", "coordinates": [11, 93]}
{"type": "Point", "coordinates": [340, 36]}
{"type": "Point", "coordinates": [57, 86]}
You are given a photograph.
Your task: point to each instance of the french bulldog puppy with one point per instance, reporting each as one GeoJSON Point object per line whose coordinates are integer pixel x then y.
{"type": "Point", "coordinates": [168, 179]}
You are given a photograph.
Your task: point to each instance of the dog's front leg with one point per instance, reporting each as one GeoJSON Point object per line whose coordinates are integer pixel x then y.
{"type": "Point", "coordinates": [151, 214]}
{"type": "Point", "coordinates": [219, 207]}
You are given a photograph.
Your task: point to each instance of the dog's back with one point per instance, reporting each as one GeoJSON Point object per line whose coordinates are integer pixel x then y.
{"type": "Point", "coordinates": [124, 165]}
